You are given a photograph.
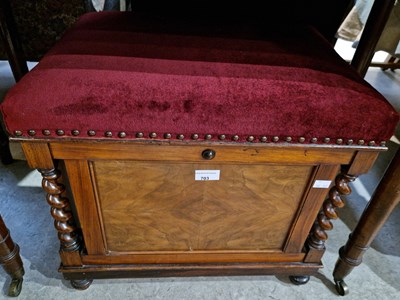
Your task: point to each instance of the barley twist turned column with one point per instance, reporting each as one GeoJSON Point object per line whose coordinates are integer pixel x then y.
{"type": "Point", "coordinates": [60, 210]}
{"type": "Point", "coordinates": [318, 234]}
{"type": "Point", "coordinates": [68, 233]}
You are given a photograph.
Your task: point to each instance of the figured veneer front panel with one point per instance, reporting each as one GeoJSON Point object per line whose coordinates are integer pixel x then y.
{"type": "Point", "coordinates": [153, 206]}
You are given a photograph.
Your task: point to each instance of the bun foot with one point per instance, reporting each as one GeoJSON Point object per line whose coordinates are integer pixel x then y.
{"type": "Point", "coordinates": [341, 288]}
{"type": "Point", "coordinates": [82, 284]}
{"type": "Point", "coordinates": [299, 280]}
{"type": "Point", "coordinates": [15, 287]}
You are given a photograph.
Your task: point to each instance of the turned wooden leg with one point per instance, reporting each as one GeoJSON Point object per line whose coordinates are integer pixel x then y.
{"type": "Point", "coordinates": [385, 199]}
{"type": "Point", "coordinates": [68, 234]}
{"type": "Point", "coordinates": [11, 260]}
{"type": "Point", "coordinates": [316, 240]}
{"type": "Point", "coordinates": [60, 210]}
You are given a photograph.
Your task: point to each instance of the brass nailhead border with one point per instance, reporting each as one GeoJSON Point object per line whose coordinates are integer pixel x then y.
{"type": "Point", "coordinates": [196, 136]}
{"type": "Point", "coordinates": [60, 132]}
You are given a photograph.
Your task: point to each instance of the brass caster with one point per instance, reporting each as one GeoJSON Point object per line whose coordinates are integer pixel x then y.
{"type": "Point", "coordinates": [82, 284]}
{"type": "Point", "coordinates": [341, 288]}
{"type": "Point", "coordinates": [15, 287]}
{"type": "Point", "coordinates": [299, 280]}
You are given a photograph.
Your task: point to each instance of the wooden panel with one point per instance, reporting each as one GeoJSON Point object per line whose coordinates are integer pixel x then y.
{"type": "Point", "coordinates": [160, 207]}
{"type": "Point", "coordinates": [38, 155]}
{"type": "Point", "coordinates": [194, 257]}
{"type": "Point", "coordinates": [362, 162]}
{"type": "Point", "coordinates": [268, 153]}
{"type": "Point", "coordinates": [308, 212]}
{"type": "Point", "coordinates": [85, 204]}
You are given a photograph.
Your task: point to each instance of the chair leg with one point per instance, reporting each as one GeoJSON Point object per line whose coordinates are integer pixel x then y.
{"type": "Point", "coordinates": [11, 261]}
{"type": "Point", "coordinates": [9, 36]}
{"type": "Point", "coordinates": [382, 203]}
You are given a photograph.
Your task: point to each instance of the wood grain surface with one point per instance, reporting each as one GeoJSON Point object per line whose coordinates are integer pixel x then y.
{"type": "Point", "coordinates": [153, 206]}
{"type": "Point", "coordinates": [191, 152]}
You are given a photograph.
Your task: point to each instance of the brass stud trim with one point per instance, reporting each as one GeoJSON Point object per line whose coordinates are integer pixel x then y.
{"type": "Point", "coordinates": [250, 138]}
{"type": "Point", "coordinates": [18, 132]}
{"type": "Point", "coordinates": [195, 136]}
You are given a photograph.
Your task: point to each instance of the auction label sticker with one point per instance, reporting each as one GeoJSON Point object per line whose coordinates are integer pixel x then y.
{"type": "Point", "coordinates": [205, 175]}
{"type": "Point", "coordinates": [322, 184]}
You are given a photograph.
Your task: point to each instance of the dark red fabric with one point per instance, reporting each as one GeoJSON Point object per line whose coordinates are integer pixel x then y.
{"type": "Point", "coordinates": [125, 72]}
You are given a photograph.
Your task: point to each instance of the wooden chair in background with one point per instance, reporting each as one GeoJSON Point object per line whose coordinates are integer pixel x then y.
{"type": "Point", "coordinates": [19, 67]}
{"type": "Point", "coordinates": [387, 195]}
{"type": "Point", "coordinates": [11, 260]}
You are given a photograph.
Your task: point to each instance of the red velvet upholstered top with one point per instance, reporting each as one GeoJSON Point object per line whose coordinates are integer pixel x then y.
{"type": "Point", "coordinates": [126, 76]}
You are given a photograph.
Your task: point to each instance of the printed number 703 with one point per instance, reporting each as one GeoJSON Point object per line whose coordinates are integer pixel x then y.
{"type": "Point", "coordinates": [205, 178]}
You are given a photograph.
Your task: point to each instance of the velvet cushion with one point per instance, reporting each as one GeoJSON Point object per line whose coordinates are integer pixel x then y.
{"type": "Point", "coordinates": [118, 75]}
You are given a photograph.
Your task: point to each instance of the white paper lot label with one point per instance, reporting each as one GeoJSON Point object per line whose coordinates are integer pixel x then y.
{"type": "Point", "coordinates": [322, 184]}
{"type": "Point", "coordinates": [205, 175]}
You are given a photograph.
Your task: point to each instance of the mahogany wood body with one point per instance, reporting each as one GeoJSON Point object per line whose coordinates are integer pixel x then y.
{"type": "Point", "coordinates": [135, 208]}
